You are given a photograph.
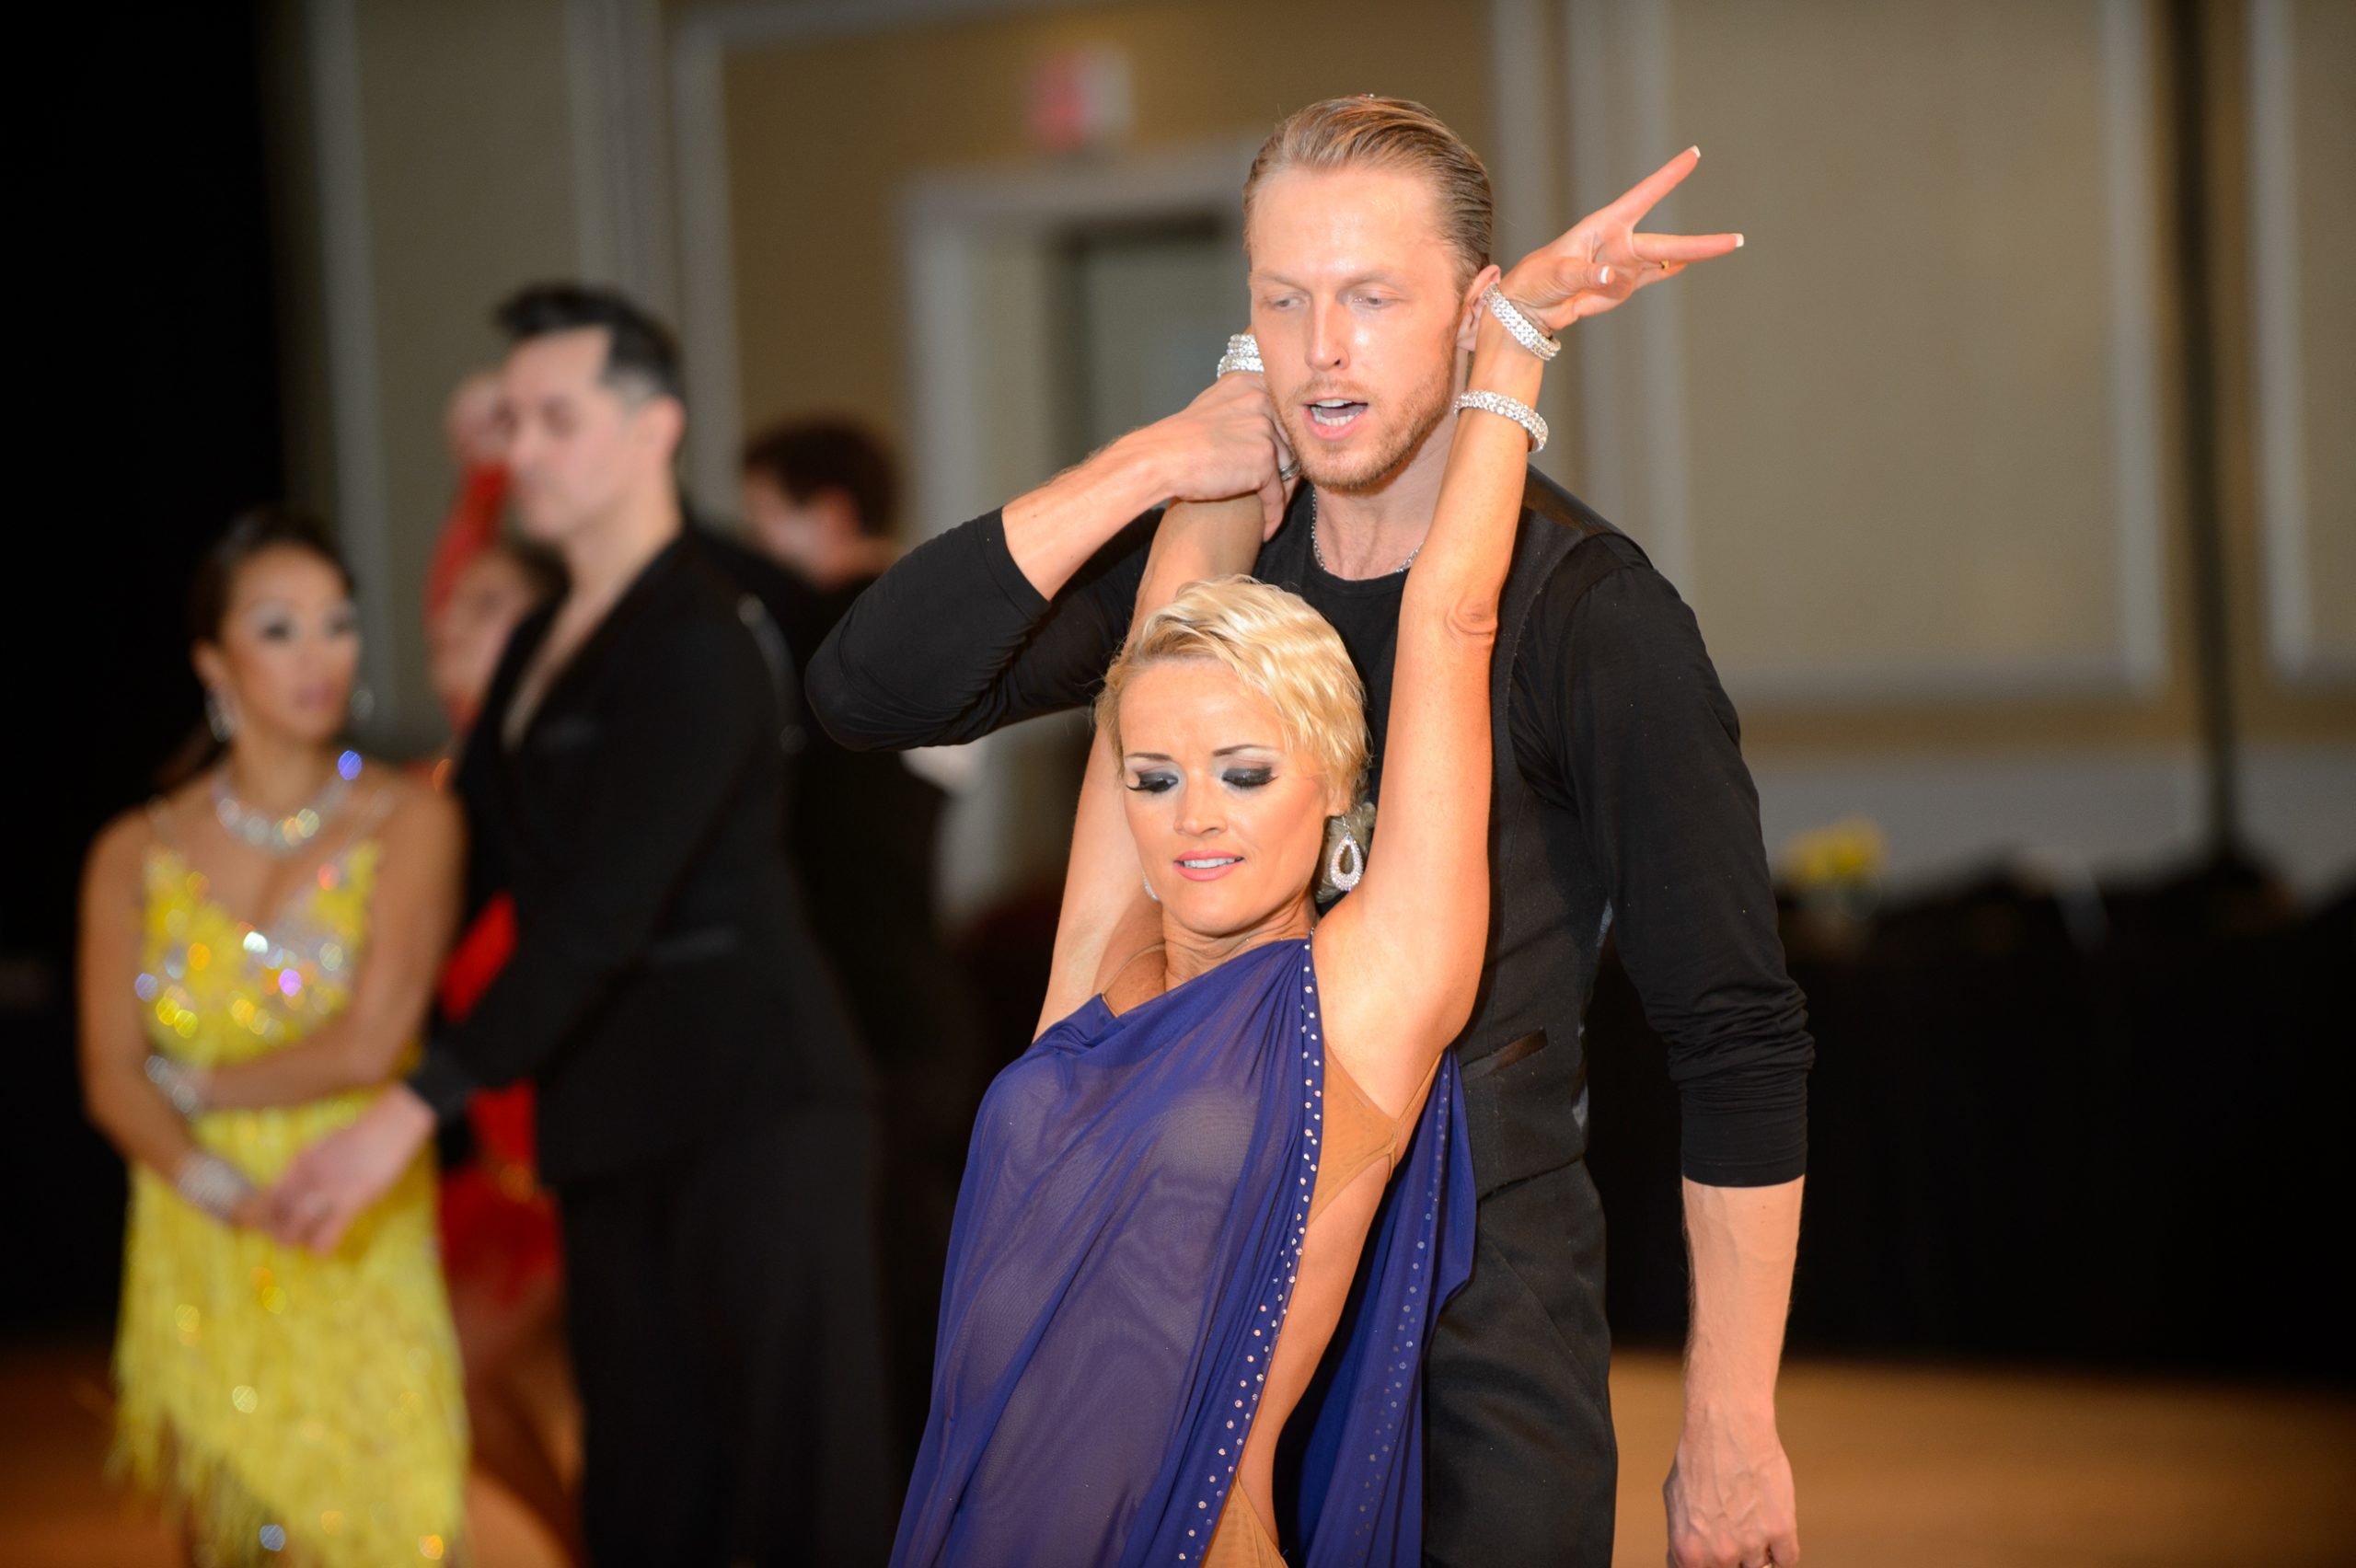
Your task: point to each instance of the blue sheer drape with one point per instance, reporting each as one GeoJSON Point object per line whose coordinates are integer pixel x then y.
{"type": "Point", "coordinates": [1124, 1250]}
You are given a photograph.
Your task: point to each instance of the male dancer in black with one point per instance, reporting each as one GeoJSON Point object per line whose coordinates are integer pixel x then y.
{"type": "Point", "coordinates": [1622, 805]}
{"type": "Point", "coordinates": [703, 1115]}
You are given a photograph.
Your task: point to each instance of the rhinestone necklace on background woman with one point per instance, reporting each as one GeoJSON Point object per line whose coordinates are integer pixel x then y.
{"type": "Point", "coordinates": [281, 836]}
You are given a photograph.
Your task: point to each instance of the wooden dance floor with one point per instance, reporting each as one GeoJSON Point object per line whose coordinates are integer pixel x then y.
{"type": "Point", "coordinates": [1898, 1468]}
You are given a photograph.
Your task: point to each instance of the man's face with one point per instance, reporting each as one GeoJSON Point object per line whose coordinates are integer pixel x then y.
{"type": "Point", "coordinates": [1359, 308]}
{"type": "Point", "coordinates": [575, 447]}
{"type": "Point", "coordinates": [802, 535]}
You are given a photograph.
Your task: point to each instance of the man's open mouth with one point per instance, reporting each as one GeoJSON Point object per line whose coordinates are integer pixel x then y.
{"type": "Point", "coordinates": [1335, 413]}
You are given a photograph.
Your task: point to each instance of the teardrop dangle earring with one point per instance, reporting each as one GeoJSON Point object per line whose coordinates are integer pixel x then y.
{"type": "Point", "coordinates": [1347, 864]}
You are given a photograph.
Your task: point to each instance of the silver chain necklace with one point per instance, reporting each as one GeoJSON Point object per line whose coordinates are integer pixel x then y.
{"type": "Point", "coordinates": [1319, 551]}
{"type": "Point", "coordinates": [278, 836]}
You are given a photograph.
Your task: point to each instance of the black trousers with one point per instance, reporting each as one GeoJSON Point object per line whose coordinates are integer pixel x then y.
{"type": "Point", "coordinates": [723, 1318]}
{"type": "Point", "coordinates": [1520, 1465]}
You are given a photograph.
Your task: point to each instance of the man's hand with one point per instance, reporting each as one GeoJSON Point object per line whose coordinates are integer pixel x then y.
{"type": "Point", "coordinates": [1226, 443]}
{"type": "Point", "coordinates": [1730, 1499]}
{"type": "Point", "coordinates": [1601, 260]}
{"type": "Point", "coordinates": [323, 1191]}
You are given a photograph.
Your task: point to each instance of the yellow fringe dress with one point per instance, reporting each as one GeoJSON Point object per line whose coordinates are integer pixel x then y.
{"type": "Point", "coordinates": [299, 1408]}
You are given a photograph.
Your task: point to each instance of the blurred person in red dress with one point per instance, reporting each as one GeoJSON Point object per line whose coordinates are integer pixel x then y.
{"type": "Point", "coordinates": [498, 1232]}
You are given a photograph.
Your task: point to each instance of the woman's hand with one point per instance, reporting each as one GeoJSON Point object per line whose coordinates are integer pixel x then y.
{"type": "Point", "coordinates": [327, 1186]}
{"type": "Point", "coordinates": [1601, 260]}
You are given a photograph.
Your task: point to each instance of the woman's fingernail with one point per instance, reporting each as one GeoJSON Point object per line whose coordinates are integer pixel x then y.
{"type": "Point", "coordinates": [1606, 276]}
{"type": "Point", "coordinates": [1737, 242]}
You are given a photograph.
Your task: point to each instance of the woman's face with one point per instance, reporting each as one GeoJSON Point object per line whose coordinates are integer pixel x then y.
{"type": "Point", "coordinates": [288, 649]}
{"type": "Point", "coordinates": [1229, 819]}
{"type": "Point", "coordinates": [465, 640]}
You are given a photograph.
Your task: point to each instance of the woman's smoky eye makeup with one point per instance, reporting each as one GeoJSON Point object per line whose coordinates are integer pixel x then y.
{"type": "Point", "coordinates": [343, 621]}
{"type": "Point", "coordinates": [1152, 779]}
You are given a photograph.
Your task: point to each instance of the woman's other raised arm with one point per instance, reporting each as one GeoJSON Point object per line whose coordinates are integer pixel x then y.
{"type": "Point", "coordinates": [1105, 912]}
{"type": "Point", "coordinates": [1401, 957]}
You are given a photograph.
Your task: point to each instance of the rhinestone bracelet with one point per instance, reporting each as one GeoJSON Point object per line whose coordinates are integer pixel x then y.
{"type": "Point", "coordinates": [182, 1086]}
{"type": "Point", "coordinates": [1524, 330]}
{"type": "Point", "coordinates": [212, 1184]}
{"type": "Point", "coordinates": [1519, 414]}
{"type": "Point", "coordinates": [1242, 354]}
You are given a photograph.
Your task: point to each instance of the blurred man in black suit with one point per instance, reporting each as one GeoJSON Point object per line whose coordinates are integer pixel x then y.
{"type": "Point", "coordinates": [703, 1114]}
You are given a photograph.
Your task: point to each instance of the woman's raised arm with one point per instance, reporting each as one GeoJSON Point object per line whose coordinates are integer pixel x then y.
{"type": "Point", "coordinates": [1401, 957]}
{"type": "Point", "coordinates": [1105, 912]}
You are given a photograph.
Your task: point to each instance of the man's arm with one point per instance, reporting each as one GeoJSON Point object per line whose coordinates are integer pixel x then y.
{"type": "Point", "coordinates": [1729, 1491]}
{"type": "Point", "coordinates": [1649, 747]}
{"type": "Point", "coordinates": [1018, 611]}
{"type": "Point", "coordinates": [954, 642]}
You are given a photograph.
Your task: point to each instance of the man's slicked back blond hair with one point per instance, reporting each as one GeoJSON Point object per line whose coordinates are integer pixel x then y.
{"type": "Point", "coordinates": [1368, 132]}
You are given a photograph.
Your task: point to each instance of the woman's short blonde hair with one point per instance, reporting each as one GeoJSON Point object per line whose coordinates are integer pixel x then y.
{"type": "Point", "coordinates": [1278, 647]}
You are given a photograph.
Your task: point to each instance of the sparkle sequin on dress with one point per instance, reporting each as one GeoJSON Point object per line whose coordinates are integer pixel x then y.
{"type": "Point", "coordinates": [288, 1401]}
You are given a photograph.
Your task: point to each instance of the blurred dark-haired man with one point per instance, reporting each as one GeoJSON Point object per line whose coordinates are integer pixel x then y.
{"type": "Point", "coordinates": [703, 1112]}
{"type": "Point", "coordinates": [819, 497]}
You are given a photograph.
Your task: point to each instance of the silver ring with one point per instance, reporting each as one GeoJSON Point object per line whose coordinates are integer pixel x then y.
{"type": "Point", "coordinates": [1290, 472]}
{"type": "Point", "coordinates": [1242, 354]}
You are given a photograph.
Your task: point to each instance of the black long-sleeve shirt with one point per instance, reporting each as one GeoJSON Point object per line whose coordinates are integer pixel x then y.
{"type": "Point", "coordinates": [1618, 721]}
{"type": "Point", "coordinates": [664, 985]}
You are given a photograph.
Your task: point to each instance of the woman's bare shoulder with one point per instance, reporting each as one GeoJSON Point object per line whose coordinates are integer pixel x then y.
{"type": "Point", "coordinates": [122, 846]}
{"type": "Point", "coordinates": [407, 805]}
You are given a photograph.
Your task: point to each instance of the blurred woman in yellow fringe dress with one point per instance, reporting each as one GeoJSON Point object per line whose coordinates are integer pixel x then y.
{"type": "Point", "coordinates": [257, 949]}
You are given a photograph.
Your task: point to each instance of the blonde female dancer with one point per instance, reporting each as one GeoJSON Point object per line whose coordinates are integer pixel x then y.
{"type": "Point", "coordinates": [289, 901]}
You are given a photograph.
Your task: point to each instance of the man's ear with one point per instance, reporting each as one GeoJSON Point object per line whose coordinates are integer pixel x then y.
{"type": "Point", "coordinates": [662, 422]}
{"type": "Point", "coordinates": [1468, 318]}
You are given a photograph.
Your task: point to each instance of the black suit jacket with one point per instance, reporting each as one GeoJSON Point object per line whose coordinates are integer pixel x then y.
{"type": "Point", "coordinates": [664, 987]}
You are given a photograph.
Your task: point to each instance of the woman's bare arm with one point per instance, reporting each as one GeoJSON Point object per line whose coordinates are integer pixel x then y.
{"type": "Point", "coordinates": [1400, 956]}
{"type": "Point", "coordinates": [411, 917]}
{"type": "Point", "coordinates": [1106, 914]}
{"type": "Point", "coordinates": [112, 1046]}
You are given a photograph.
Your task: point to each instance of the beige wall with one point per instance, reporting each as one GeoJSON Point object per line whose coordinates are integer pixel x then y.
{"type": "Point", "coordinates": [438, 174]}
{"type": "Point", "coordinates": [1897, 414]}
{"type": "Point", "coordinates": [2284, 260]}
{"type": "Point", "coordinates": [824, 137]}
{"type": "Point", "coordinates": [470, 189]}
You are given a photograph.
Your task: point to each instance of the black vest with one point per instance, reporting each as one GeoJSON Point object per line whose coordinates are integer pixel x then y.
{"type": "Point", "coordinates": [1525, 1071]}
